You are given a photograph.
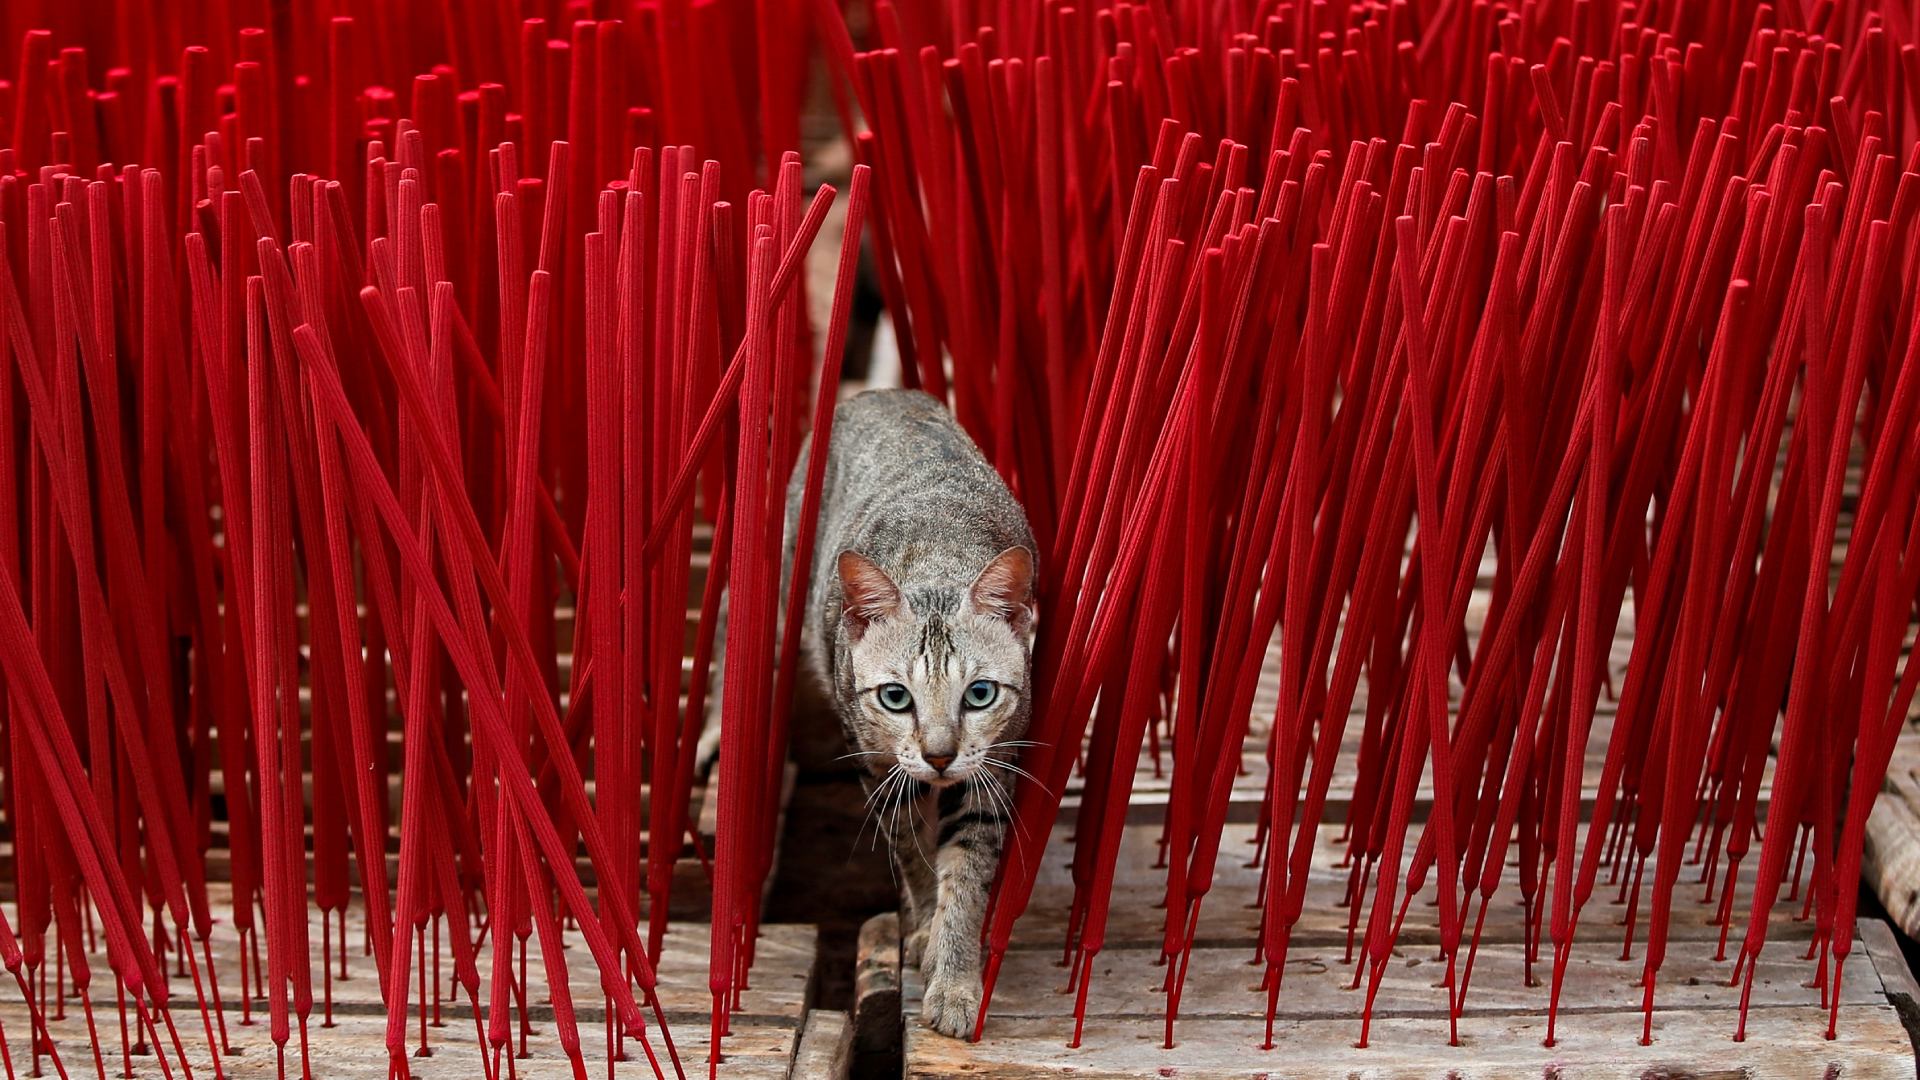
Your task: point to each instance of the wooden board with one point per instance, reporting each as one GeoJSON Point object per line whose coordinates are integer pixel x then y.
{"type": "Point", "coordinates": [1152, 781]}
{"type": "Point", "coordinates": [826, 1047]}
{"type": "Point", "coordinates": [1221, 1022]}
{"type": "Point", "coordinates": [1229, 916]}
{"type": "Point", "coordinates": [1892, 862]}
{"type": "Point", "coordinates": [876, 994]}
{"type": "Point", "coordinates": [1782, 1044]}
{"type": "Point", "coordinates": [766, 1038]}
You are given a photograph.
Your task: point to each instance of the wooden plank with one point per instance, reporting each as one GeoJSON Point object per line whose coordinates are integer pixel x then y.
{"type": "Point", "coordinates": [826, 1047]}
{"type": "Point", "coordinates": [1783, 1043]}
{"type": "Point", "coordinates": [1892, 857]}
{"type": "Point", "coordinates": [1230, 915]}
{"type": "Point", "coordinates": [765, 1036]}
{"type": "Point", "coordinates": [876, 997]}
{"type": "Point", "coordinates": [1889, 964]}
{"type": "Point", "coordinates": [1152, 781]}
{"type": "Point", "coordinates": [1223, 983]}
{"type": "Point", "coordinates": [1222, 1008]}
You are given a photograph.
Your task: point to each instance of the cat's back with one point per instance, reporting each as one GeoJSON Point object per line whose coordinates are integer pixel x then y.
{"type": "Point", "coordinates": [908, 488]}
{"type": "Point", "coordinates": [893, 438]}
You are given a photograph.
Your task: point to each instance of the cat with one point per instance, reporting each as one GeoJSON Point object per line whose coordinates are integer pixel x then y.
{"type": "Point", "coordinates": [918, 636]}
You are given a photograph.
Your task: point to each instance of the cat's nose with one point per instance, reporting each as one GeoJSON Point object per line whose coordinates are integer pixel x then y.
{"type": "Point", "coordinates": [939, 762]}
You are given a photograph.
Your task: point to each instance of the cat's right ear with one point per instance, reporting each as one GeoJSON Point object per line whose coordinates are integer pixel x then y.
{"type": "Point", "coordinates": [870, 594]}
{"type": "Point", "coordinates": [1005, 588]}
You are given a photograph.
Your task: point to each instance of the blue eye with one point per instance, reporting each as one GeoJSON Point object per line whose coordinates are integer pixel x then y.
{"type": "Point", "coordinates": [981, 693]}
{"type": "Point", "coordinates": [894, 697]}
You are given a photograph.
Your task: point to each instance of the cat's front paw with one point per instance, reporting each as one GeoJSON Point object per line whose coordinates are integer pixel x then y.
{"type": "Point", "coordinates": [952, 1004]}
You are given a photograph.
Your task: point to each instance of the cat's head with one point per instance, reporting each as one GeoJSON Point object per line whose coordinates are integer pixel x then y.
{"type": "Point", "coordinates": [940, 673]}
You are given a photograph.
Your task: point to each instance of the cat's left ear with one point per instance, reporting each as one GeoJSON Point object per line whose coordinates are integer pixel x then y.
{"type": "Point", "coordinates": [869, 594]}
{"type": "Point", "coordinates": [1005, 588]}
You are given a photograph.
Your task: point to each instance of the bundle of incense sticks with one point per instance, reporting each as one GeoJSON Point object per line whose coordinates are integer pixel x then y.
{"type": "Point", "coordinates": [388, 373]}
{"type": "Point", "coordinates": [329, 420]}
{"type": "Point", "coordinates": [1346, 317]}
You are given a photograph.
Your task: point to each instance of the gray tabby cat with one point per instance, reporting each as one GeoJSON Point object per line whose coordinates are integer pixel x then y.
{"type": "Point", "coordinates": [917, 635]}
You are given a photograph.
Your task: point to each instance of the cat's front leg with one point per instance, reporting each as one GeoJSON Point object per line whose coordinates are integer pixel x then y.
{"type": "Point", "coordinates": [972, 830]}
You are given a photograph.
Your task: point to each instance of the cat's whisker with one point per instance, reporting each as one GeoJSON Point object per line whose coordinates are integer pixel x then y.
{"type": "Point", "coordinates": [880, 826]}
{"type": "Point", "coordinates": [887, 791]}
{"type": "Point", "coordinates": [989, 788]}
{"type": "Point", "coordinates": [978, 792]}
{"type": "Point", "coordinates": [877, 799]}
{"type": "Point", "coordinates": [1006, 796]}
{"type": "Point", "coordinates": [898, 781]}
{"type": "Point", "coordinates": [885, 781]}
{"type": "Point", "coordinates": [1006, 799]}
{"type": "Point", "coordinates": [892, 814]}
{"type": "Point", "coordinates": [889, 814]}
{"type": "Point", "coordinates": [1002, 800]}
{"type": "Point", "coordinates": [910, 803]}
{"type": "Point", "coordinates": [865, 817]}
{"type": "Point", "coordinates": [900, 796]}
{"type": "Point", "coordinates": [1015, 769]}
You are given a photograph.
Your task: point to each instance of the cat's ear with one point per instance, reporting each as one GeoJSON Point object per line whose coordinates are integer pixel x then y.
{"type": "Point", "coordinates": [870, 594]}
{"type": "Point", "coordinates": [1005, 588]}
